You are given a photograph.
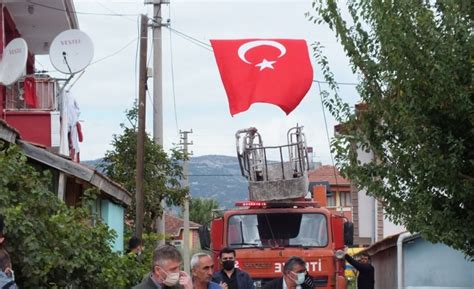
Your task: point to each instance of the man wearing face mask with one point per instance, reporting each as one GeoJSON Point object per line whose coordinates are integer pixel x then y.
{"type": "Point", "coordinates": [165, 272]}
{"type": "Point", "coordinates": [229, 276]}
{"type": "Point", "coordinates": [294, 276]}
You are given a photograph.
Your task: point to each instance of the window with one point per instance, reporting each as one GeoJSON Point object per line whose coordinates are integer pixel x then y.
{"type": "Point", "coordinates": [277, 229]}
{"type": "Point", "coordinates": [346, 199]}
{"type": "Point", "coordinates": [331, 199]}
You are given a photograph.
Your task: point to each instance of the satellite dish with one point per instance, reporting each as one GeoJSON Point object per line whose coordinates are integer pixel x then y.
{"type": "Point", "coordinates": [13, 63]}
{"type": "Point", "coordinates": [71, 51]}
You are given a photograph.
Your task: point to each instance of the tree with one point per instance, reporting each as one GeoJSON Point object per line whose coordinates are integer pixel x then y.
{"type": "Point", "coordinates": [52, 245]}
{"type": "Point", "coordinates": [162, 172]}
{"type": "Point", "coordinates": [200, 210]}
{"type": "Point", "coordinates": [414, 60]}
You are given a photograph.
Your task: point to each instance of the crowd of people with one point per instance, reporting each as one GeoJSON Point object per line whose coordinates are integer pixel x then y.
{"type": "Point", "coordinates": [166, 270]}
{"type": "Point", "coordinates": [165, 273]}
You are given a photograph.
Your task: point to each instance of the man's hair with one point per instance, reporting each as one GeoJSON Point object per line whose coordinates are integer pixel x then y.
{"type": "Point", "coordinates": [164, 253]}
{"type": "Point", "coordinates": [364, 254]}
{"type": "Point", "coordinates": [195, 259]}
{"type": "Point", "coordinates": [134, 242]}
{"type": "Point", "coordinates": [290, 263]}
{"type": "Point", "coordinates": [226, 250]}
{"type": "Point", "coordinates": [4, 260]}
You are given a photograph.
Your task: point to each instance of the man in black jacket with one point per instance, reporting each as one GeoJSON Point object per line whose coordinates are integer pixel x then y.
{"type": "Point", "coordinates": [365, 280]}
{"type": "Point", "coordinates": [295, 276]}
{"type": "Point", "coordinates": [230, 277]}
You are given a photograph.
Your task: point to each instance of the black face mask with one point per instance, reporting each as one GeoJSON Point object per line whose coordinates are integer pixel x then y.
{"type": "Point", "coordinates": [228, 264]}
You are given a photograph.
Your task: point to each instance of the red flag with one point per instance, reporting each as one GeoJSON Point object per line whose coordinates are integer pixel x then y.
{"type": "Point", "coordinates": [276, 71]}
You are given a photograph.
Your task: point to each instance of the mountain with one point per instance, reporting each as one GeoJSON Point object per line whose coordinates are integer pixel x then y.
{"type": "Point", "coordinates": [212, 176]}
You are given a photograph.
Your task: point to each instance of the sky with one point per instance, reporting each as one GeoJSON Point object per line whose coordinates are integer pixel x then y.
{"type": "Point", "coordinates": [193, 93]}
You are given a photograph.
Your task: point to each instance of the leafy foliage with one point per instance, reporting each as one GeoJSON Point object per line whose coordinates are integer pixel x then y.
{"type": "Point", "coordinates": [162, 172]}
{"type": "Point", "coordinates": [414, 60]}
{"type": "Point", "coordinates": [52, 245]}
{"type": "Point", "coordinates": [200, 210]}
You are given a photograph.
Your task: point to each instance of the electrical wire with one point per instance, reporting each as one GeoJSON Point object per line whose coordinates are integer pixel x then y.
{"type": "Point", "coordinates": [338, 83]}
{"type": "Point", "coordinates": [114, 12]}
{"type": "Point", "coordinates": [116, 52]}
{"type": "Point", "coordinates": [172, 76]}
{"type": "Point", "coordinates": [81, 13]}
{"type": "Point", "coordinates": [191, 39]}
{"type": "Point", "coordinates": [327, 135]}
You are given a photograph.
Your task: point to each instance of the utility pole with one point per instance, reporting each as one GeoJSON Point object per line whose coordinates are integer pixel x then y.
{"type": "Point", "coordinates": [139, 199]}
{"type": "Point", "coordinates": [158, 94]}
{"type": "Point", "coordinates": [184, 142]}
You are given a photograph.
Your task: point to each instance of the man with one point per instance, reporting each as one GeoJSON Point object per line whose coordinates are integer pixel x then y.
{"type": "Point", "coordinates": [365, 280]}
{"type": "Point", "coordinates": [135, 246]}
{"type": "Point", "coordinates": [232, 277]}
{"type": "Point", "coordinates": [165, 271]}
{"type": "Point", "coordinates": [294, 276]}
{"type": "Point", "coordinates": [201, 269]}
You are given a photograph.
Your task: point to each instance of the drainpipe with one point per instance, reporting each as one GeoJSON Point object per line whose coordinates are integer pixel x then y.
{"type": "Point", "coordinates": [373, 211]}
{"type": "Point", "coordinates": [400, 279]}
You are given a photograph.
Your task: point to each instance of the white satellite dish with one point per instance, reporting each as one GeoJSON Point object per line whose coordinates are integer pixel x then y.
{"type": "Point", "coordinates": [13, 63]}
{"type": "Point", "coordinates": [71, 51]}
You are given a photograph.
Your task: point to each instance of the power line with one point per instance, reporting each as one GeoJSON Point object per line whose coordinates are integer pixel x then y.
{"type": "Point", "coordinates": [116, 52]}
{"type": "Point", "coordinates": [327, 135]}
{"type": "Point", "coordinates": [338, 83]}
{"type": "Point", "coordinates": [114, 12]}
{"type": "Point", "coordinates": [82, 13]}
{"type": "Point", "coordinates": [172, 76]}
{"type": "Point", "coordinates": [220, 175]}
{"type": "Point", "coordinates": [191, 39]}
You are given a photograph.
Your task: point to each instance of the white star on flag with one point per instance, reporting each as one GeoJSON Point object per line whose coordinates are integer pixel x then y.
{"type": "Point", "coordinates": [265, 64]}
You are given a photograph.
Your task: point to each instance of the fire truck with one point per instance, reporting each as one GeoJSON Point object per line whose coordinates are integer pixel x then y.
{"type": "Point", "coordinates": [280, 219]}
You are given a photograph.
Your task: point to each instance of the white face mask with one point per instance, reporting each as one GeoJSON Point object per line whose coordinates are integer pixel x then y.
{"type": "Point", "coordinates": [171, 279]}
{"type": "Point", "coordinates": [299, 278]}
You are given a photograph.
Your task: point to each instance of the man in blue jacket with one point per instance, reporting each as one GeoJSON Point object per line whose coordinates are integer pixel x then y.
{"type": "Point", "coordinates": [229, 276]}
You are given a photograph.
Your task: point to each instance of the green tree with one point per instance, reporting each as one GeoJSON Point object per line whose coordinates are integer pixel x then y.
{"type": "Point", "coordinates": [414, 60]}
{"type": "Point", "coordinates": [200, 210]}
{"type": "Point", "coordinates": [52, 245]}
{"type": "Point", "coordinates": [162, 173]}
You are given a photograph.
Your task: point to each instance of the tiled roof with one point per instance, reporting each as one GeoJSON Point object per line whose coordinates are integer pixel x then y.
{"type": "Point", "coordinates": [173, 225]}
{"type": "Point", "coordinates": [326, 173]}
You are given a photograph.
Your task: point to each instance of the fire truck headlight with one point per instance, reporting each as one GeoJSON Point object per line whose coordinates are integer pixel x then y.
{"type": "Point", "coordinates": [339, 254]}
{"type": "Point", "coordinates": [257, 283]}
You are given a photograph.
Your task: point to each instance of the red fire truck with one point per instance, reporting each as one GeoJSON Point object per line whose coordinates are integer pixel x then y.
{"type": "Point", "coordinates": [280, 219]}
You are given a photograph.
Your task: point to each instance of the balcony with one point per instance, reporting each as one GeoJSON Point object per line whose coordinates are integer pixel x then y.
{"type": "Point", "coordinates": [32, 94]}
{"type": "Point", "coordinates": [31, 107]}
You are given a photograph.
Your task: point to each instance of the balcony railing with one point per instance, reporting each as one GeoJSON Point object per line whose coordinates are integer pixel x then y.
{"type": "Point", "coordinates": [39, 93]}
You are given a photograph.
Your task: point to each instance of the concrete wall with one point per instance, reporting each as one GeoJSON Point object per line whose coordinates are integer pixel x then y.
{"type": "Point", "coordinates": [437, 266]}
{"type": "Point", "coordinates": [113, 215]}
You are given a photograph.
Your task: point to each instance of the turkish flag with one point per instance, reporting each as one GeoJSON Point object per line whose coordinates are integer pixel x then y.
{"type": "Point", "coordinates": [276, 71]}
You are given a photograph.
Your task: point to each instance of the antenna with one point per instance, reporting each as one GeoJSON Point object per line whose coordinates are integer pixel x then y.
{"type": "Point", "coordinates": [71, 51]}
{"type": "Point", "coordinates": [13, 64]}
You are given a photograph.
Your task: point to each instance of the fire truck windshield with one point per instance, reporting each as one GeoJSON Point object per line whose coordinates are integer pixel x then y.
{"type": "Point", "coordinates": [277, 230]}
